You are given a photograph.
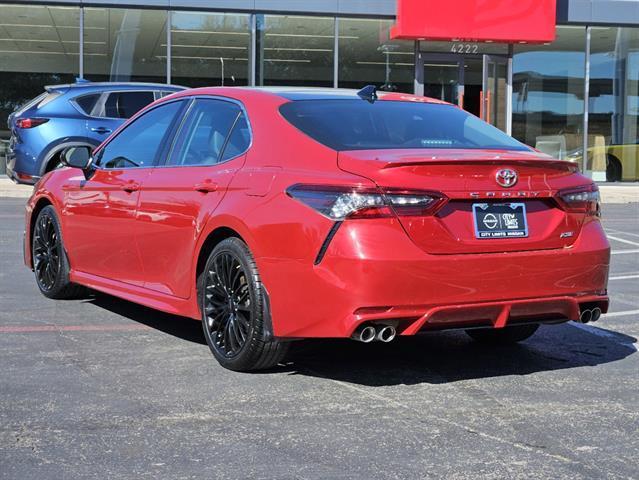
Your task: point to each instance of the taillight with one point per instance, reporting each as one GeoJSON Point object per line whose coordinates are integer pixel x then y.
{"type": "Point", "coordinates": [582, 199]}
{"type": "Point", "coordinates": [339, 203]}
{"type": "Point", "coordinates": [30, 122]}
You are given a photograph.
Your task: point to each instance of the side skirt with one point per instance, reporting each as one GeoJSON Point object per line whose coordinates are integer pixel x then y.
{"type": "Point", "coordinates": [136, 294]}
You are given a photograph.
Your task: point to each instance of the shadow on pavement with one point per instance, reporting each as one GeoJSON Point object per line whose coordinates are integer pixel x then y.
{"type": "Point", "coordinates": [440, 357]}
{"type": "Point", "coordinates": [452, 356]}
{"type": "Point", "coordinates": [181, 327]}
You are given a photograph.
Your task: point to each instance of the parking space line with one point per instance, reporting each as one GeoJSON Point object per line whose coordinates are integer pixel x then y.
{"type": "Point", "coordinates": [624, 277]}
{"type": "Point", "coordinates": [619, 232]}
{"type": "Point", "coordinates": [71, 328]}
{"type": "Point", "coordinates": [621, 252]}
{"type": "Point", "coordinates": [623, 240]}
{"type": "Point", "coordinates": [621, 314]}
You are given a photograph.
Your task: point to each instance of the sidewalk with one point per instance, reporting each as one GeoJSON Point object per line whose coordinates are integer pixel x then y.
{"type": "Point", "coordinates": [610, 192]}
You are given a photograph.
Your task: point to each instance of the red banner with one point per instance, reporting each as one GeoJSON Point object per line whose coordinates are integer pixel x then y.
{"type": "Point", "coordinates": [507, 21]}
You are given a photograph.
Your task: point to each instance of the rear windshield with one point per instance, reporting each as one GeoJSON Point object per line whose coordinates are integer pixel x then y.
{"type": "Point", "coordinates": [359, 125]}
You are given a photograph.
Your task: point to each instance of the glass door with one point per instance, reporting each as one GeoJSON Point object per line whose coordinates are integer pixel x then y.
{"type": "Point", "coordinates": [443, 79]}
{"type": "Point", "coordinates": [496, 92]}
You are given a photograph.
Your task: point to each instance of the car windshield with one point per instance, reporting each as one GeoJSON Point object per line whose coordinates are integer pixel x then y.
{"type": "Point", "coordinates": [355, 124]}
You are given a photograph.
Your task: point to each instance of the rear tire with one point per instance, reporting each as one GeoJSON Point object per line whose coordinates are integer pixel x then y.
{"type": "Point", "coordinates": [50, 263]}
{"type": "Point", "coordinates": [233, 310]}
{"type": "Point", "coordinates": [503, 336]}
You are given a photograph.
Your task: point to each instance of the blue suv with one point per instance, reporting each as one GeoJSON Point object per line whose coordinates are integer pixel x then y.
{"type": "Point", "coordinates": [80, 114]}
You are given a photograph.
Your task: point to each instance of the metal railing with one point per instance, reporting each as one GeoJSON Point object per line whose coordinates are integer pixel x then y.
{"type": "Point", "coordinates": [4, 147]}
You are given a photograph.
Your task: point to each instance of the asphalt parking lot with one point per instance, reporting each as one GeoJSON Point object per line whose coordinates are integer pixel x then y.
{"type": "Point", "coordinates": [101, 388]}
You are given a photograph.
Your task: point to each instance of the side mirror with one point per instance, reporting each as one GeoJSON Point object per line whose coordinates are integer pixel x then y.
{"type": "Point", "coordinates": [77, 157]}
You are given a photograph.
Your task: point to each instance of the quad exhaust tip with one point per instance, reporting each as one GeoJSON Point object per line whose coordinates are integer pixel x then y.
{"type": "Point", "coordinates": [386, 334]}
{"type": "Point", "coordinates": [370, 333]}
{"type": "Point", "coordinates": [590, 315]}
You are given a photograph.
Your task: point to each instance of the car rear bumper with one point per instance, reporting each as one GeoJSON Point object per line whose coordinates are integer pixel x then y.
{"type": "Point", "coordinates": [20, 170]}
{"type": "Point", "coordinates": [372, 272]}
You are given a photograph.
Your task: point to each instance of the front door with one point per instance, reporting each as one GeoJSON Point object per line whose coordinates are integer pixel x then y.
{"type": "Point", "coordinates": [99, 216]}
{"type": "Point", "coordinates": [179, 197]}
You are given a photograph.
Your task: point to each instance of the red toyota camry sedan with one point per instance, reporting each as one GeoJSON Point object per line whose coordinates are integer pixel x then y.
{"type": "Point", "coordinates": [280, 214]}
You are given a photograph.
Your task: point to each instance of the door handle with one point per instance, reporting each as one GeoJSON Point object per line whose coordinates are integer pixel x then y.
{"type": "Point", "coordinates": [101, 130]}
{"type": "Point", "coordinates": [131, 187]}
{"type": "Point", "coordinates": [205, 187]}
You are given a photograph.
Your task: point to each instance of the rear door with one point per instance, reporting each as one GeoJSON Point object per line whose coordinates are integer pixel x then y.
{"type": "Point", "coordinates": [100, 212]}
{"type": "Point", "coordinates": [177, 199]}
{"type": "Point", "coordinates": [112, 109]}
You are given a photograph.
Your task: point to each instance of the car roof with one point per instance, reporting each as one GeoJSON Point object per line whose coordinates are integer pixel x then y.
{"type": "Point", "coordinates": [311, 93]}
{"type": "Point", "coordinates": [114, 86]}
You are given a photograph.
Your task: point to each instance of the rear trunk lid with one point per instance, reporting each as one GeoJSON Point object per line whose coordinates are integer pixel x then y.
{"type": "Point", "coordinates": [468, 178]}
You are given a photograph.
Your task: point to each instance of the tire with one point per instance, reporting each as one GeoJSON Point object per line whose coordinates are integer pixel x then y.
{"type": "Point", "coordinates": [613, 169]}
{"type": "Point", "coordinates": [50, 263]}
{"type": "Point", "coordinates": [232, 302]}
{"type": "Point", "coordinates": [503, 336]}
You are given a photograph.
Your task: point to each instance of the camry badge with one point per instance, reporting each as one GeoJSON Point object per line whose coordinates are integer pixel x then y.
{"type": "Point", "coordinates": [506, 177]}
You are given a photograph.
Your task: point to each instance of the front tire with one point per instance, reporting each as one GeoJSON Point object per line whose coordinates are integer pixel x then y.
{"type": "Point", "coordinates": [233, 310]}
{"type": "Point", "coordinates": [503, 336]}
{"type": "Point", "coordinates": [50, 263]}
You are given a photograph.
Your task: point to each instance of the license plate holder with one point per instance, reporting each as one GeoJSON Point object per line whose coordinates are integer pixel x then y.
{"type": "Point", "coordinates": [500, 220]}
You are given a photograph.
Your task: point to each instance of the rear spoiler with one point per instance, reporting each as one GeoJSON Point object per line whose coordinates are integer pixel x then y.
{"type": "Point", "coordinates": [550, 163]}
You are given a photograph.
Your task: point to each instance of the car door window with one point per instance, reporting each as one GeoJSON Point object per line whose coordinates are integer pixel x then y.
{"type": "Point", "coordinates": [126, 104]}
{"type": "Point", "coordinates": [204, 134]}
{"type": "Point", "coordinates": [239, 139]}
{"type": "Point", "coordinates": [139, 144]}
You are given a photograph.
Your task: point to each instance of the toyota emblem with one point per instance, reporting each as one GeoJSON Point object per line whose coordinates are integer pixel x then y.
{"type": "Point", "coordinates": [506, 177]}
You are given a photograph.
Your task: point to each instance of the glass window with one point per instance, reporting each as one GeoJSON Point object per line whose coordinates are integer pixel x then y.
{"type": "Point", "coordinates": [548, 93]}
{"type": "Point", "coordinates": [205, 132]}
{"type": "Point", "coordinates": [87, 102]}
{"type": "Point", "coordinates": [295, 50]}
{"type": "Point", "coordinates": [138, 145]}
{"type": "Point", "coordinates": [239, 140]}
{"type": "Point", "coordinates": [209, 49]}
{"type": "Point", "coordinates": [367, 55]}
{"type": "Point", "coordinates": [392, 124]}
{"type": "Point", "coordinates": [126, 104]}
{"type": "Point", "coordinates": [613, 119]}
{"type": "Point", "coordinates": [125, 45]}
{"type": "Point", "coordinates": [39, 46]}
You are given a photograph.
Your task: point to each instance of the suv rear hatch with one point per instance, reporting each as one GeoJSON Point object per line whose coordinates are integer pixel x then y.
{"type": "Point", "coordinates": [468, 179]}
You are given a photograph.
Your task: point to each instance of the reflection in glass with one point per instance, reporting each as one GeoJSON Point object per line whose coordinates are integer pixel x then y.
{"type": "Point", "coordinates": [295, 50]}
{"type": "Point", "coordinates": [548, 93]}
{"type": "Point", "coordinates": [614, 102]}
{"type": "Point", "coordinates": [209, 49]}
{"type": "Point", "coordinates": [38, 46]}
{"type": "Point", "coordinates": [125, 45]}
{"type": "Point", "coordinates": [367, 55]}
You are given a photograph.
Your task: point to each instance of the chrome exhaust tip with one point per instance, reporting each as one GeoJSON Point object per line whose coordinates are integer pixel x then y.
{"type": "Point", "coordinates": [365, 334]}
{"type": "Point", "coordinates": [586, 316]}
{"type": "Point", "coordinates": [596, 313]}
{"type": "Point", "coordinates": [386, 333]}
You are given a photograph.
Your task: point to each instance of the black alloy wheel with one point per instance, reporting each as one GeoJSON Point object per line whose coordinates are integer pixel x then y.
{"type": "Point", "coordinates": [46, 253]}
{"type": "Point", "coordinates": [50, 263]}
{"type": "Point", "coordinates": [233, 304]}
{"type": "Point", "coordinates": [227, 304]}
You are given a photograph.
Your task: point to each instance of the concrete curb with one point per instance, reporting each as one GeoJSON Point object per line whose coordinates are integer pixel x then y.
{"type": "Point", "coordinates": [610, 193]}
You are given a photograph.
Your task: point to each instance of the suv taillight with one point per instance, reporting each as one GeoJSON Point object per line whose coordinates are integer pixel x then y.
{"type": "Point", "coordinates": [341, 202]}
{"type": "Point", "coordinates": [581, 199]}
{"type": "Point", "coordinates": [30, 122]}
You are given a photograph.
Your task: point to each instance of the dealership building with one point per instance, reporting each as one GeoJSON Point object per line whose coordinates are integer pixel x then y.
{"type": "Point", "coordinates": [561, 76]}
